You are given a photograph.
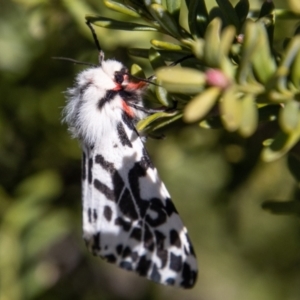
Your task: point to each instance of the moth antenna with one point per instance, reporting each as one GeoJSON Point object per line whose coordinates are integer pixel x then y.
{"type": "Point", "coordinates": [75, 61]}
{"type": "Point", "coordinates": [101, 53]}
{"type": "Point", "coordinates": [148, 80]}
{"type": "Point", "coordinates": [178, 61]}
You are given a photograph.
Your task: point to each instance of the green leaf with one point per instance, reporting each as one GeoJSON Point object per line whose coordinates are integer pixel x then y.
{"type": "Point", "coordinates": [212, 44]}
{"type": "Point", "coordinates": [166, 45]}
{"type": "Point", "coordinates": [119, 25]}
{"type": "Point", "coordinates": [201, 104]}
{"type": "Point", "coordinates": [181, 80]}
{"type": "Point", "coordinates": [281, 144]}
{"type": "Point", "coordinates": [163, 96]}
{"type": "Point", "coordinates": [165, 20]}
{"type": "Point", "coordinates": [143, 124]}
{"type": "Point", "coordinates": [173, 7]}
{"type": "Point", "coordinates": [197, 17]}
{"type": "Point", "coordinates": [242, 10]}
{"type": "Point", "coordinates": [167, 55]}
{"type": "Point", "coordinates": [229, 13]}
{"type": "Point", "coordinates": [267, 17]}
{"type": "Point", "coordinates": [263, 62]}
{"type": "Point", "coordinates": [249, 119]}
{"type": "Point", "coordinates": [121, 8]}
{"type": "Point", "coordinates": [137, 71]}
{"type": "Point", "coordinates": [289, 116]}
{"type": "Point", "coordinates": [155, 59]}
{"type": "Point", "coordinates": [291, 61]}
{"type": "Point", "coordinates": [231, 109]}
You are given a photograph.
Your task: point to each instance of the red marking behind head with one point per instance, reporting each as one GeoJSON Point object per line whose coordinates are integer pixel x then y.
{"type": "Point", "coordinates": [136, 85]}
{"type": "Point", "coordinates": [129, 111]}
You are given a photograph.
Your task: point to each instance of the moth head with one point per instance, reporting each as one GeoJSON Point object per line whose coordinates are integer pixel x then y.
{"type": "Point", "coordinates": [116, 71]}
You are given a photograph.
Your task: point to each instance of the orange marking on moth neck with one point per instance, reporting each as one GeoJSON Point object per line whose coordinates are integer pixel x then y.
{"type": "Point", "coordinates": [136, 85]}
{"type": "Point", "coordinates": [129, 111]}
{"type": "Point", "coordinates": [117, 87]}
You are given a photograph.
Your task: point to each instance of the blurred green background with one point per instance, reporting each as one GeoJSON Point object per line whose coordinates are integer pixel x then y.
{"type": "Point", "coordinates": [216, 179]}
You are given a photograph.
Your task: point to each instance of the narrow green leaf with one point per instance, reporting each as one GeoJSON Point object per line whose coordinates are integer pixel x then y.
{"type": "Point", "coordinates": [121, 8]}
{"type": "Point", "coordinates": [165, 121]}
{"type": "Point", "coordinates": [267, 17]}
{"type": "Point", "coordinates": [165, 20]}
{"type": "Point", "coordinates": [263, 62]}
{"type": "Point", "coordinates": [155, 59]}
{"type": "Point", "coordinates": [119, 25]}
{"type": "Point", "coordinates": [242, 10]}
{"type": "Point", "coordinates": [147, 121]}
{"type": "Point", "coordinates": [292, 60]}
{"type": "Point", "coordinates": [181, 80]}
{"type": "Point", "coordinates": [281, 144]}
{"type": "Point", "coordinates": [231, 109]}
{"type": "Point", "coordinates": [211, 47]}
{"type": "Point", "coordinates": [166, 45]}
{"type": "Point", "coordinates": [201, 104]}
{"type": "Point", "coordinates": [229, 13]}
{"type": "Point", "coordinates": [163, 96]}
{"type": "Point", "coordinates": [289, 116]}
{"type": "Point", "coordinates": [137, 71]}
{"type": "Point", "coordinates": [173, 7]}
{"type": "Point", "coordinates": [197, 17]}
{"type": "Point", "coordinates": [249, 120]}
{"type": "Point", "coordinates": [167, 55]}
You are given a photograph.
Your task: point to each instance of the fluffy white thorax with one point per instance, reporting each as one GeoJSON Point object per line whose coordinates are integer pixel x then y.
{"type": "Point", "coordinates": [86, 121]}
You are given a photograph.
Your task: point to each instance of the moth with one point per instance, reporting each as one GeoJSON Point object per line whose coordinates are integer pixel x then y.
{"type": "Point", "coordinates": [128, 216]}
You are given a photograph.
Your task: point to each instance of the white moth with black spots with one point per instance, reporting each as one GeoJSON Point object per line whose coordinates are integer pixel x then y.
{"type": "Point", "coordinates": [128, 216]}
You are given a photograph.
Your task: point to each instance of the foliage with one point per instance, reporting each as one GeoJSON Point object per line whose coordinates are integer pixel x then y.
{"type": "Point", "coordinates": [215, 177]}
{"type": "Point", "coordinates": [231, 75]}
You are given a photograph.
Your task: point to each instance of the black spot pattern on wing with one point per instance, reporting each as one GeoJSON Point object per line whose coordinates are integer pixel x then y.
{"type": "Point", "coordinates": [127, 207]}
{"type": "Point", "coordinates": [143, 266]}
{"type": "Point", "coordinates": [189, 276]}
{"type": "Point", "coordinates": [151, 213]}
{"type": "Point", "coordinates": [148, 238]}
{"type": "Point", "coordinates": [122, 223]}
{"type": "Point", "coordinates": [110, 95]}
{"type": "Point", "coordinates": [90, 170]}
{"type": "Point", "coordinates": [104, 189]}
{"type": "Point", "coordinates": [107, 166]}
{"type": "Point", "coordinates": [89, 215]}
{"type": "Point", "coordinates": [136, 234]}
{"type": "Point", "coordinates": [126, 265]}
{"type": "Point", "coordinates": [95, 214]}
{"type": "Point", "coordinates": [123, 135]}
{"type": "Point", "coordinates": [174, 238]}
{"type": "Point", "coordinates": [175, 262]}
{"type": "Point", "coordinates": [107, 213]}
{"type": "Point", "coordinates": [146, 161]}
{"type": "Point", "coordinates": [96, 243]}
{"type": "Point", "coordinates": [157, 207]}
{"type": "Point", "coordinates": [155, 275]}
{"type": "Point", "coordinates": [83, 166]}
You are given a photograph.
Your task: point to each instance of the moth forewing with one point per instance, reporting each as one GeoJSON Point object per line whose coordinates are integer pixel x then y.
{"type": "Point", "coordinates": [128, 216]}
